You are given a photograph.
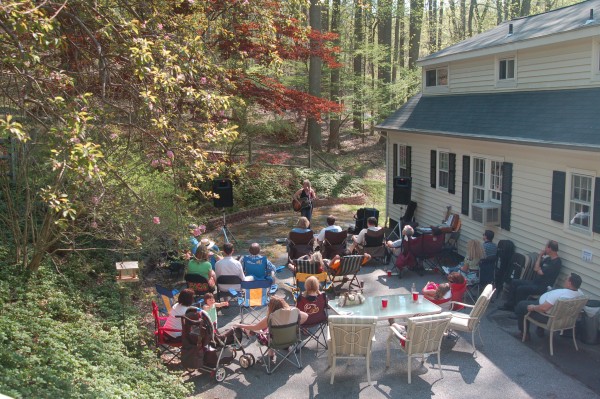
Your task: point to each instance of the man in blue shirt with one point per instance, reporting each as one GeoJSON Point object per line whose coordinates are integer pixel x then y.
{"type": "Point", "coordinates": [257, 265]}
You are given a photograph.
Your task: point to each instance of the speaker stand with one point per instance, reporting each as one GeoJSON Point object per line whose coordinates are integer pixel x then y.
{"type": "Point", "coordinates": [225, 230]}
{"type": "Point", "coordinates": [396, 230]}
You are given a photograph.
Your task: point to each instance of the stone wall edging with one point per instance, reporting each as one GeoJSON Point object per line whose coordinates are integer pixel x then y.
{"type": "Point", "coordinates": [216, 223]}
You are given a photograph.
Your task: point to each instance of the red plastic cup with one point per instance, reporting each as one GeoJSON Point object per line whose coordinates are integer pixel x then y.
{"type": "Point", "coordinates": [384, 303]}
{"type": "Point", "coordinates": [389, 273]}
{"type": "Point", "coordinates": [415, 296]}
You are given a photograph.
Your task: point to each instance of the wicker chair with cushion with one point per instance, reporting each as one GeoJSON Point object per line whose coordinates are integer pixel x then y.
{"type": "Point", "coordinates": [562, 316]}
{"type": "Point", "coordinates": [350, 337]}
{"type": "Point", "coordinates": [470, 322]}
{"type": "Point", "coordinates": [421, 337]}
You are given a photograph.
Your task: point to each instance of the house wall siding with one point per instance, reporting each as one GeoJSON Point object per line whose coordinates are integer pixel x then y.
{"type": "Point", "coordinates": [559, 66]}
{"type": "Point", "coordinates": [531, 226]}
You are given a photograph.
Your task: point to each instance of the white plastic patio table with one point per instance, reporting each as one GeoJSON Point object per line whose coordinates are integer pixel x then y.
{"type": "Point", "coordinates": [396, 308]}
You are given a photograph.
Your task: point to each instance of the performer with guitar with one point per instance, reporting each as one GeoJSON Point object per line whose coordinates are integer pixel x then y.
{"type": "Point", "coordinates": [303, 200]}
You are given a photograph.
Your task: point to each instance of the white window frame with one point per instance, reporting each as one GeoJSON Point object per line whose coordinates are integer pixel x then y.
{"type": "Point", "coordinates": [506, 82]}
{"type": "Point", "coordinates": [443, 171]}
{"type": "Point", "coordinates": [438, 87]}
{"type": "Point", "coordinates": [577, 202]}
{"type": "Point", "coordinates": [489, 185]}
{"type": "Point", "coordinates": [402, 166]}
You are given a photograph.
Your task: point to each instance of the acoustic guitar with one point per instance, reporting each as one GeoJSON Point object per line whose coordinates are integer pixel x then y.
{"type": "Point", "coordinates": [296, 204]}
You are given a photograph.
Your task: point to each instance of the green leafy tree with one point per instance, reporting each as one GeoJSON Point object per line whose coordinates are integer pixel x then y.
{"type": "Point", "coordinates": [102, 97]}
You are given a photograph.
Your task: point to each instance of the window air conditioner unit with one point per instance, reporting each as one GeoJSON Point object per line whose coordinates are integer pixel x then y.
{"type": "Point", "coordinates": [486, 213]}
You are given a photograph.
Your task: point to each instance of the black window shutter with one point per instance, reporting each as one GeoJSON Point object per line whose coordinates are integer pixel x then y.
{"type": "Point", "coordinates": [395, 160]}
{"type": "Point", "coordinates": [557, 211]}
{"type": "Point", "coordinates": [433, 171]}
{"type": "Point", "coordinates": [596, 208]}
{"type": "Point", "coordinates": [507, 168]}
{"type": "Point", "coordinates": [466, 182]}
{"type": "Point", "coordinates": [452, 173]}
{"type": "Point", "coordinates": [409, 160]}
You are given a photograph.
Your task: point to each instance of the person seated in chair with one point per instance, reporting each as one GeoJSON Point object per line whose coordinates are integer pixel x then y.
{"type": "Point", "coordinates": [475, 253]}
{"type": "Point", "coordinates": [228, 266]}
{"type": "Point", "coordinates": [302, 226]}
{"type": "Point", "coordinates": [331, 226]}
{"type": "Point", "coordinates": [359, 239]}
{"type": "Point", "coordinates": [396, 246]}
{"type": "Point", "coordinates": [546, 269]}
{"type": "Point", "coordinates": [336, 262]}
{"type": "Point", "coordinates": [257, 266]}
{"type": "Point", "coordinates": [311, 288]}
{"type": "Point", "coordinates": [545, 303]}
{"type": "Point", "coordinates": [261, 328]}
{"type": "Point", "coordinates": [316, 259]}
{"type": "Point", "coordinates": [200, 264]}
{"type": "Point", "coordinates": [438, 293]}
{"type": "Point", "coordinates": [184, 302]}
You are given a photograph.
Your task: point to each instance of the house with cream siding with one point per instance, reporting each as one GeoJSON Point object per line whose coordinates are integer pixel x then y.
{"type": "Point", "coordinates": [506, 132]}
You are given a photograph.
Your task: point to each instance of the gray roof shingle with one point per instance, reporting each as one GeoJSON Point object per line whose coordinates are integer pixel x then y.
{"type": "Point", "coordinates": [553, 22]}
{"type": "Point", "coordinates": [566, 118]}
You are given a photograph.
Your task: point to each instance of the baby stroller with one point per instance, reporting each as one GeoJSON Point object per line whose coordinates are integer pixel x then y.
{"type": "Point", "coordinates": [203, 348]}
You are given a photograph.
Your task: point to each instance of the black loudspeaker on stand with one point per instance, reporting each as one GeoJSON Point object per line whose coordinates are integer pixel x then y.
{"type": "Point", "coordinates": [224, 188]}
{"type": "Point", "coordinates": [402, 190]}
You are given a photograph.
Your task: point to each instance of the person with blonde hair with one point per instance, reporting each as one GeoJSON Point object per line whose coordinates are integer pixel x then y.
{"type": "Point", "coordinates": [316, 259]}
{"type": "Point", "coordinates": [311, 288]}
{"type": "Point", "coordinates": [475, 253]}
{"type": "Point", "coordinates": [302, 226]}
{"type": "Point", "coordinates": [306, 195]}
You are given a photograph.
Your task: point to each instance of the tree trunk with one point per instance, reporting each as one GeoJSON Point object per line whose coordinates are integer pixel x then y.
{"type": "Point", "coordinates": [415, 25]}
{"type": "Point", "coordinates": [499, 12]}
{"type": "Point", "coordinates": [472, 9]}
{"type": "Point", "coordinates": [525, 8]}
{"type": "Point", "coordinates": [440, 24]}
{"type": "Point", "coordinates": [358, 77]}
{"type": "Point", "coordinates": [384, 37]}
{"type": "Point", "coordinates": [432, 24]}
{"type": "Point", "coordinates": [334, 123]}
{"type": "Point", "coordinates": [463, 19]}
{"type": "Point", "coordinates": [396, 50]}
{"type": "Point", "coordinates": [314, 76]}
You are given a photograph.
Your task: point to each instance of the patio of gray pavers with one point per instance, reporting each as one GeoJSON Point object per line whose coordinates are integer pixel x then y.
{"type": "Point", "coordinates": [504, 367]}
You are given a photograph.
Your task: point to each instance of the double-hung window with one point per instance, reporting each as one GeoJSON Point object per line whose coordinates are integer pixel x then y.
{"type": "Point", "coordinates": [403, 169]}
{"type": "Point", "coordinates": [487, 180]}
{"type": "Point", "coordinates": [580, 201]}
{"type": "Point", "coordinates": [443, 170]}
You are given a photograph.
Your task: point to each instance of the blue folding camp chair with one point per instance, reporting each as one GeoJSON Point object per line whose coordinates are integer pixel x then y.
{"type": "Point", "coordinates": [166, 299]}
{"type": "Point", "coordinates": [256, 265]}
{"type": "Point", "coordinates": [254, 296]}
